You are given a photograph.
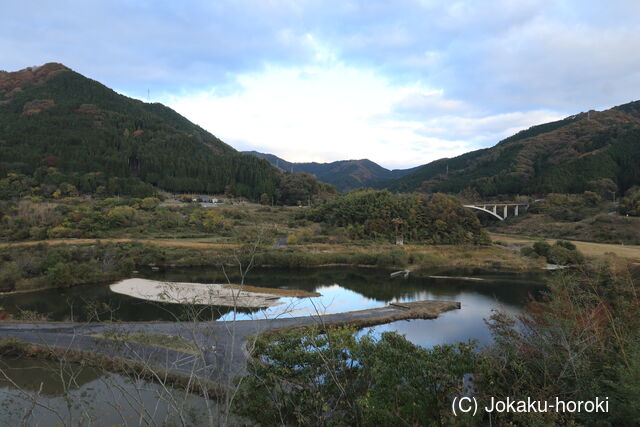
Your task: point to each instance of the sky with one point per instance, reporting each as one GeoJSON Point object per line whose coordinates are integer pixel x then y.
{"type": "Point", "coordinates": [399, 82]}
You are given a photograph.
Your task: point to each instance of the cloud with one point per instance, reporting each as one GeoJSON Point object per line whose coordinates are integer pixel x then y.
{"type": "Point", "coordinates": [400, 82]}
{"type": "Point", "coordinates": [328, 110]}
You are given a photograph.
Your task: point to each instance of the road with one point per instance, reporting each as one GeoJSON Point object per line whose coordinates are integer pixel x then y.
{"type": "Point", "coordinates": [223, 345]}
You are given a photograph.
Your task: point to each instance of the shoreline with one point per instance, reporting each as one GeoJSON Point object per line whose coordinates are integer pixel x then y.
{"type": "Point", "coordinates": [418, 258]}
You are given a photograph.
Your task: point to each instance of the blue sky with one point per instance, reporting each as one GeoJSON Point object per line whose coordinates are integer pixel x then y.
{"type": "Point", "coordinates": [401, 83]}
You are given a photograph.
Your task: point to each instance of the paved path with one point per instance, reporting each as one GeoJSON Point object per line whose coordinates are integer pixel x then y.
{"type": "Point", "coordinates": [223, 345]}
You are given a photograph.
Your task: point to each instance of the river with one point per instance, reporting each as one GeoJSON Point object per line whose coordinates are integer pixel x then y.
{"type": "Point", "coordinates": [95, 392]}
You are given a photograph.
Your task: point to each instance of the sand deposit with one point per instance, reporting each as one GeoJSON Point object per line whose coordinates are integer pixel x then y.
{"type": "Point", "coordinates": [194, 293]}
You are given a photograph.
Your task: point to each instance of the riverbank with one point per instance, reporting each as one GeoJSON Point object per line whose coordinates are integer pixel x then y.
{"type": "Point", "coordinates": [211, 366]}
{"type": "Point", "coordinates": [32, 267]}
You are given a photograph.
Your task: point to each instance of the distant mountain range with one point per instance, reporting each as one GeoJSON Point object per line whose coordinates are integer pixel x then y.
{"type": "Point", "coordinates": [57, 126]}
{"type": "Point", "coordinates": [345, 175]}
{"type": "Point", "coordinates": [561, 156]}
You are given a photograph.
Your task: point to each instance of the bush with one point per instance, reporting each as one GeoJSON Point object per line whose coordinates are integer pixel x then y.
{"type": "Point", "coordinates": [528, 251]}
{"type": "Point", "coordinates": [9, 274]}
{"type": "Point", "coordinates": [561, 253]}
{"type": "Point", "coordinates": [297, 375]}
{"type": "Point", "coordinates": [149, 203]}
{"type": "Point", "coordinates": [60, 275]}
{"type": "Point", "coordinates": [541, 248]}
{"type": "Point", "coordinates": [121, 216]}
{"type": "Point", "coordinates": [60, 232]}
{"type": "Point", "coordinates": [566, 244]}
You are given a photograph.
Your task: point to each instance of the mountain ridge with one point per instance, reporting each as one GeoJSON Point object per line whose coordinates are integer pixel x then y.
{"type": "Point", "coordinates": [59, 126]}
{"type": "Point", "coordinates": [345, 175]}
{"type": "Point", "coordinates": [560, 156]}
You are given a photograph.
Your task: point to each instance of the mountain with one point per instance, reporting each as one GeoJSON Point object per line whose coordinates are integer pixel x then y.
{"type": "Point", "coordinates": [561, 156]}
{"type": "Point", "coordinates": [345, 175]}
{"type": "Point", "coordinates": [57, 126]}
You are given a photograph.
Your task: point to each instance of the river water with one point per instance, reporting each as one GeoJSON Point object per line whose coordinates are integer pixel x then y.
{"type": "Point", "coordinates": [95, 392]}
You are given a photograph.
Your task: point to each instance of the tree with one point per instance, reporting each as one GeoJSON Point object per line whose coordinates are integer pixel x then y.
{"type": "Point", "coordinates": [149, 203]}
{"type": "Point", "coordinates": [605, 187]}
{"type": "Point", "coordinates": [121, 216]}
{"type": "Point", "coordinates": [630, 204]}
{"type": "Point", "coordinates": [298, 188]}
{"type": "Point", "coordinates": [318, 376]}
{"type": "Point", "coordinates": [9, 274]}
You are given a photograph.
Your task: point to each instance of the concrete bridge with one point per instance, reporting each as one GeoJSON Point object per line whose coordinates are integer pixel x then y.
{"type": "Point", "coordinates": [500, 210]}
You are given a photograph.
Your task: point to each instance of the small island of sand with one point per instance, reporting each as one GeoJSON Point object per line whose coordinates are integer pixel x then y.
{"type": "Point", "coordinates": [205, 294]}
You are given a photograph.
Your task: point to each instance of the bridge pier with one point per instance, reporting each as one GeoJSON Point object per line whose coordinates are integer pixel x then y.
{"type": "Point", "coordinates": [492, 209]}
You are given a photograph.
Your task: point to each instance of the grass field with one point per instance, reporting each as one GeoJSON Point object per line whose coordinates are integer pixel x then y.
{"type": "Point", "coordinates": [589, 249]}
{"type": "Point", "coordinates": [185, 243]}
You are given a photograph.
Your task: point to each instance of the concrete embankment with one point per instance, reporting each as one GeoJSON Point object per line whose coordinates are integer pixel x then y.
{"type": "Point", "coordinates": [223, 345]}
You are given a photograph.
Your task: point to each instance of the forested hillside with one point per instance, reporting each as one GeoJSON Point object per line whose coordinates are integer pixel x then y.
{"type": "Point", "coordinates": [435, 219]}
{"type": "Point", "coordinates": [345, 175]}
{"type": "Point", "coordinates": [560, 157]}
{"type": "Point", "coordinates": [58, 127]}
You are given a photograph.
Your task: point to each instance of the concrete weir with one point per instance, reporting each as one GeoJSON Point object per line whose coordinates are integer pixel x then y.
{"type": "Point", "coordinates": [223, 345]}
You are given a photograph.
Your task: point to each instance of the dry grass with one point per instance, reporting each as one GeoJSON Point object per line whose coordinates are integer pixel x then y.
{"type": "Point", "coordinates": [403, 311]}
{"type": "Point", "coordinates": [156, 340]}
{"type": "Point", "coordinates": [353, 254]}
{"type": "Point", "coordinates": [589, 249]}
{"type": "Point", "coordinates": [159, 242]}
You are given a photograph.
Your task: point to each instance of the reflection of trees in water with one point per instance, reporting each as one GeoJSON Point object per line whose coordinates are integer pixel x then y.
{"type": "Point", "coordinates": [31, 374]}
{"type": "Point", "coordinates": [99, 303]}
{"type": "Point", "coordinates": [62, 393]}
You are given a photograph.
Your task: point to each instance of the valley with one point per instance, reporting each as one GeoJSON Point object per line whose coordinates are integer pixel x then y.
{"type": "Point", "coordinates": [138, 244]}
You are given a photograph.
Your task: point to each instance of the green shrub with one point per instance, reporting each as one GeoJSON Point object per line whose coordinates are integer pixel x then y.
{"type": "Point", "coordinates": [9, 274]}
{"type": "Point", "coordinates": [566, 244]}
{"type": "Point", "coordinates": [541, 248]}
{"type": "Point", "coordinates": [528, 251]}
{"type": "Point", "coordinates": [297, 375]}
{"type": "Point", "coordinates": [149, 203]}
{"type": "Point", "coordinates": [559, 255]}
{"type": "Point", "coordinates": [60, 275]}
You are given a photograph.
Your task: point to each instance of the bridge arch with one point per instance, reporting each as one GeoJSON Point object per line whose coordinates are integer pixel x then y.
{"type": "Point", "coordinates": [492, 213]}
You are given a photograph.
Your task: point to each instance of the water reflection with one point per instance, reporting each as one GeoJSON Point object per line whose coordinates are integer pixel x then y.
{"type": "Point", "coordinates": [342, 289]}
{"type": "Point", "coordinates": [36, 392]}
{"type": "Point", "coordinates": [453, 326]}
